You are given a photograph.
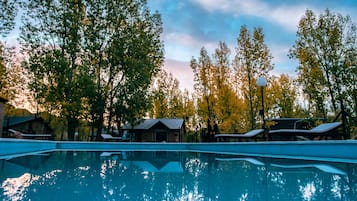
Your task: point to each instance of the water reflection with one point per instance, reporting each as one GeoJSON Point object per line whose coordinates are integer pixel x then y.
{"type": "Point", "coordinates": [172, 176]}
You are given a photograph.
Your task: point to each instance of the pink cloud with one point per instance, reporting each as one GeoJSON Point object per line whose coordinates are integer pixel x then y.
{"type": "Point", "coordinates": [182, 71]}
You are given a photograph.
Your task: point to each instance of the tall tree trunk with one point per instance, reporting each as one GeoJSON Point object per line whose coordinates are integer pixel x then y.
{"type": "Point", "coordinates": [251, 108]}
{"type": "Point", "coordinates": [71, 128]}
{"type": "Point", "coordinates": [329, 85]}
{"type": "Point", "coordinates": [99, 126]}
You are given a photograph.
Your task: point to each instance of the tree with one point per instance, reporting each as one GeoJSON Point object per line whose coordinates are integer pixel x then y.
{"type": "Point", "coordinates": [281, 97]}
{"type": "Point", "coordinates": [218, 105]}
{"type": "Point", "coordinates": [168, 101]}
{"type": "Point", "coordinates": [252, 60]}
{"type": "Point", "coordinates": [228, 106]}
{"type": "Point", "coordinates": [91, 57]}
{"type": "Point", "coordinates": [7, 16]}
{"type": "Point", "coordinates": [326, 48]}
{"type": "Point", "coordinates": [7, 22]}
{"type": "Point", "coordinates": [98, 30]}
{"type": "Point", "coordinates": [229, 110]}
{"type": "Point", "coordinates": [124, 52]}
{"type": "Point", "coordinates": [135, 55]}
{"type": "Point", "coordinates": [188, 109]}
{"type": "Point", "coordinates": [3, 73]}
{"type": "Point", "coordinates": [204, 87]}
{"type": "Point", "coordinates": [13, 84]}
{"type": "Point", "coordinates": [51, 38]}
{"type": "Point", "coordinates": [164, 92]}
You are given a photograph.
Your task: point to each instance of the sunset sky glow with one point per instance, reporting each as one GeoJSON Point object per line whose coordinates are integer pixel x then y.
{"type": "Point", "coordinates": [191, 24]}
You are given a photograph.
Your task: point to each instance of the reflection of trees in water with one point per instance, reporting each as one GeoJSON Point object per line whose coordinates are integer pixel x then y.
{"type": "Point", "coordinates": [239, 179]}
{"type": "Point", "coordinates": [311, 183]}
{"type": "Point", "coordinates": [142, 176]}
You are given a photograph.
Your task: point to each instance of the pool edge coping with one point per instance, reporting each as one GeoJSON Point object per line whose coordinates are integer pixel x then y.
{"type": "Point", "coordinates": [334, 151]}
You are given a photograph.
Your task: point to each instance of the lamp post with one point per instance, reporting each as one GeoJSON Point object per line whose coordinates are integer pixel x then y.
{"type": "Point", "coordinates": [262, 82]}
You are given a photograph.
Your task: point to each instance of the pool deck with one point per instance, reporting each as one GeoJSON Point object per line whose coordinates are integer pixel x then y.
{"type": "Point", "coordinates": [336, 151]}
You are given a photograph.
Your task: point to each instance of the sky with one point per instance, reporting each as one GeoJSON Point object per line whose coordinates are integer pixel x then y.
{"type": "Point", "coordinates": [190, 25]}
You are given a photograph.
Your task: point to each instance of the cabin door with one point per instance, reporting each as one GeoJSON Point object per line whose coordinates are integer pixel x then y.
{"type": "Point", "coordinates": [161, 136]}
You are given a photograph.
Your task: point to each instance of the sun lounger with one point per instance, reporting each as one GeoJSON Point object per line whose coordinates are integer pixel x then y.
{"type": "Point", "coordinates": [20, 135]}
{"type": "Point", "coordinates": [108, 137]}
{"type": "Point", "coordinates": [323, 131]}
{"type": "Point", "coordinates": [253, 134]}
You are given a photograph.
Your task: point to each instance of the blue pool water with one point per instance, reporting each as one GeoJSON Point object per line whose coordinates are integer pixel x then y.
{"type": "Point", "coordinates": [69, 175]}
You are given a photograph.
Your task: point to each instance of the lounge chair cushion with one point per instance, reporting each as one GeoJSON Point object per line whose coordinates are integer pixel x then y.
{"type": "Point", "coordinates": [110, 137]}
{"type": "Point", "coordinates": [249, 134]}
{"type": "Point", "coordinates": [323, 128]}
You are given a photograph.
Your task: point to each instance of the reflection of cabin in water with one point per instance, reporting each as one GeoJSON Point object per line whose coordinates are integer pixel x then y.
{"type": "Point", "coordinates": [160, 161]}
{"type": "Point", "coordinates": [156, 130]}
{"type": "Point", "coordinates": [26, 124]}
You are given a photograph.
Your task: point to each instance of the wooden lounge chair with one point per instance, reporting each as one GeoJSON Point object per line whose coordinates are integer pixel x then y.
{"type": "Point", "coordinates": [251, 135]}
{"type": "Point", "coordinates": [21, 135]}
{"type": "Point", "coordinates": [323, 131]}
{"type": "Point", "coordinates": [108, 137]}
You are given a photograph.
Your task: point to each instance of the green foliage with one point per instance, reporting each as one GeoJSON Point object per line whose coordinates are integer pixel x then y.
{"type": "Point", "coordinates": [12, 77]}
{"type": "Point", "coordinates": [7, 22]}
{"type": "Point", "coordinates": [204, 87]}
{"type": "Point", "coordinates": [168, 101]}
{"type": "Point", "coordinates": [10, 110]}
{"type": "Point", "coordinates": [281, 96]}
{"type": "Point", "coordinates": [327, 53]}
{"type": "Point", "coordinates": [94, 62]}
{"type": "Point", "coordinates": [135, 56]}
{"type": "Point", "coordinates": [192, 137]}
{"type": "Point", "coordinates": [90, 55]}
{"type": "Point", "coordinates": [165, 95]}
{"type": "Point", "coordinates": [227, 104]}
{"type": "Point", "coordinates": [7, 16]}
{"type": "Point", "coordinates": [217, 100]}
{"type": "Point", "coordinates": [252, 60]}
{"type": "Point", "coordinates": [2, 71]}
{"type": "Point", "coordinates": [51, 36]}
{"type": "Point", "coordinates": [123, 54]}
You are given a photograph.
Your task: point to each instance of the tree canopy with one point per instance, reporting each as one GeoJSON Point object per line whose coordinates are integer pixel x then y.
{"type": "Point", "coordinates": [326, 48]}
{"type": "Point", "coordinates": [7, 16]}
{"type": "Point", "coordinates": [90, 55]}
{"type": "Point", "coordinates": [168, 101]}
{"type": "Point", "coordinates": [252, 60]}
{"type": "Point", "coordinates": [99, 63]}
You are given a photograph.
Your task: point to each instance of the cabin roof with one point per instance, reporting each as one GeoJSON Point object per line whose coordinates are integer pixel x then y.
{"type": "Point", "coordinates": [16, 120]}
{"type": "Point", "coordinates": [146, 124]}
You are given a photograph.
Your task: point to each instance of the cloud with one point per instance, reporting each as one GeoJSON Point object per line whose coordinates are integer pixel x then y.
{"type": "Point", "coordinates": [182, 71]}
{"type": "Point", "coordinates": [286, 16]}
{"type": "Point", "coordinates": [282, 63]}
{"type": "Point", "coordinates": [182, 47]}
{"type": "Point", "coordinates": [190, 25]}
{"type": "Point", "coordinates": [279, 51]}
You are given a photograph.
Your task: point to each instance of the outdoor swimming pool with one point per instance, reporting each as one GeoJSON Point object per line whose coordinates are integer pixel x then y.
{"type": "Point", "coordinates": [172, 175]}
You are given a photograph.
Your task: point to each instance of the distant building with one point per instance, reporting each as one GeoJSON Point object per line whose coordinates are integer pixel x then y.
{"type": "Point", "coordinates": [26, 124]}
{"type": "Point", "coordinates": [156, 130]}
